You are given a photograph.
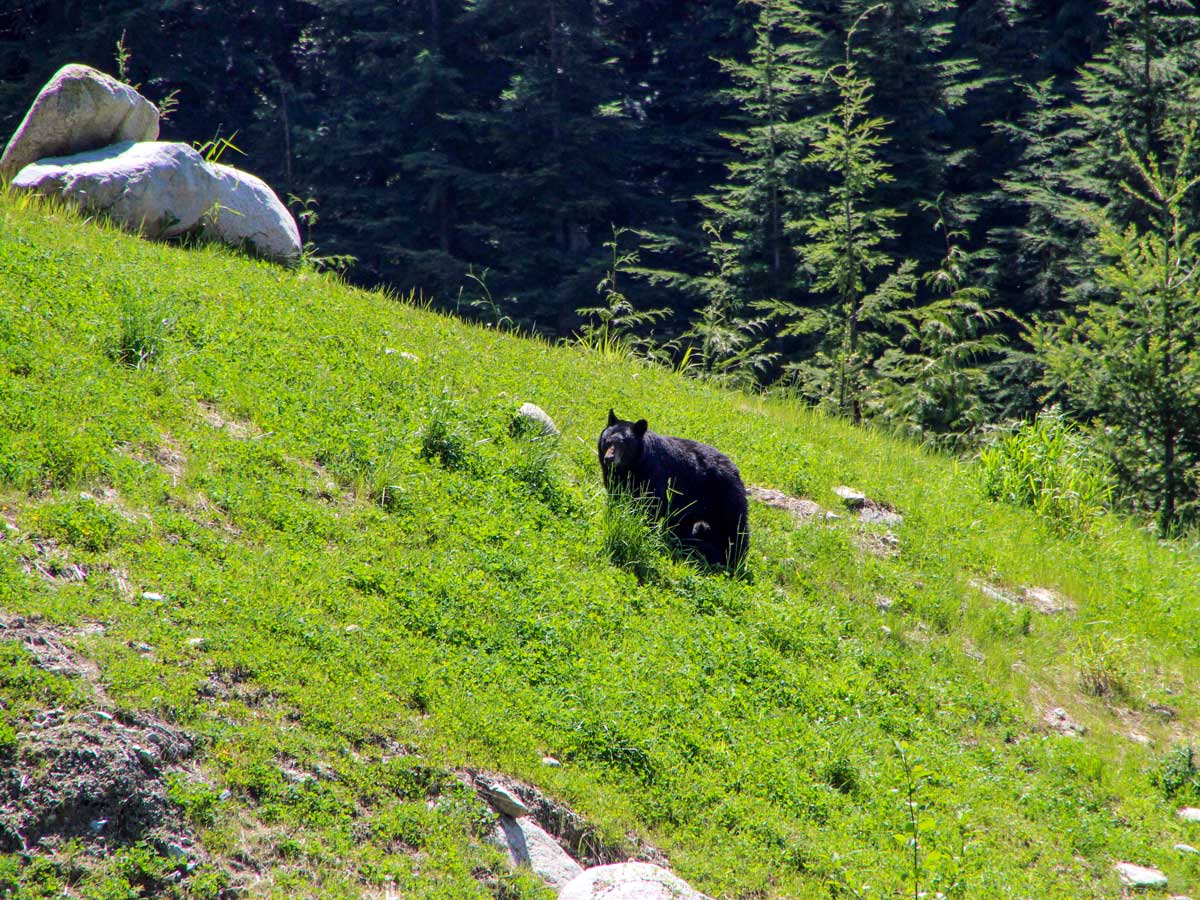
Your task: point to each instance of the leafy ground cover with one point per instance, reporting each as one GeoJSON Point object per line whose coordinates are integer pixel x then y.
{"type": "Point", "coordinates": [315, 545]}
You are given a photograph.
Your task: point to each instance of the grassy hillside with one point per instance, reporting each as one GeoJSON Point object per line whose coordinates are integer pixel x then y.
{"type": "Point", "coordinates": [305, 538]}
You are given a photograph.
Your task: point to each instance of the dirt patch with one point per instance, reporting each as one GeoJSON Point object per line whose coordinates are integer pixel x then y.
{"type": "Point", "coordinates": [1046, 601]}
{"type": "Point", "coordinates": [93, 776]}
{"type": "Point", "coordinates": [167, 456]}
{"type": "Point", "coordinates": [96, 775]}
{"type": "Point", "coordinates": [1058, 719]}
{"type": "Point", "coordinates": [801, 508]}
{"type": "Point", "coordinates": [883, 544]}
{"type": "Point", "coordinates": [240, 429]}
{"type": "Point", "coordinates": [50, 562]}
{"type": "Point", "coordinates": [44, 644]}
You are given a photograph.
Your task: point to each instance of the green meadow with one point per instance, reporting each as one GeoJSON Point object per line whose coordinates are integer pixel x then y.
{"type": "Point", "coordinates": [316, 545]}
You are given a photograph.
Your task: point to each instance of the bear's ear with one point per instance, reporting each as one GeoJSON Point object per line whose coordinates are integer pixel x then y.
{"type": "Point", "coordinates": [612, 418]}
{"type": "Point", "coordinates": [639, 427]}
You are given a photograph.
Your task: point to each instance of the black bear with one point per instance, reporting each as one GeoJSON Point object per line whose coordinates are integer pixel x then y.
{"type": "Point", "coordinates": [696, 488]}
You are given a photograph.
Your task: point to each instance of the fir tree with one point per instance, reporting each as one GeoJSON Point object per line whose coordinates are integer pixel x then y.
{"type": "Point", "coordinates": [1142, 86]}
{"type": "Point", "coordinates": [938, 382]}
{"type": "Point", "coordinates": [1131, 361]}
{"type": "Point", "coordinates": [857, 281]}
{"type": "Point", "coordinates": [760, 194]}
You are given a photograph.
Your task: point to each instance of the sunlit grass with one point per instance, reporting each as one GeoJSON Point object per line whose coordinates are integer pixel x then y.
{"type": "Point", "coordinates": [403, 586]}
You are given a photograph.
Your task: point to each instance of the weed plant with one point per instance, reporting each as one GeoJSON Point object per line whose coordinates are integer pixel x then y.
{"type": "Point", "coordinates": [1177, 774]}
{"type": "Point", "coordinates": [1048, 466]}
{"type": "Point", "coordinates": [634, 538]}
{"type": "Point", "coordinates": [143, 327]}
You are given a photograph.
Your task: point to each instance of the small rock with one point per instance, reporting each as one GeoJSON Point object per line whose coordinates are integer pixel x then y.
{"type": "Point", "coordinates": [883, 604]}
{"type": "Point", "coordinates": [852, 498]}
{"type": "Point", "coordinates": [1189, 814]}
{"type": "Point", "coordinates": [1136, 876]}
{"type": "Point", "coordinates": [140, 647]}
{"type": "Point", "coordinates": [151, 595]}
{"type": "Point", "coordinates": [1163, 711]}
{"type": "Point", "coordinates": [149, 758]}
{"type": "Point", "coordinates": [885, 631]}
{"type": "Point", "coordinates": [550, 761]}
{"type": "Point", "coordinates": [1059, 720]}
{"type": "Point", "coordinates": [1138, 738]}
{"type": "Point", "coordinates": [95, 826]}
{"type": "Point", "coordinates": [198, 643]}
{"type": "Point", "coordinates": [502, 799]}
{"type": "Point", "coordinates": [176, 852]}
{"type": "Point", "coordinates": [1187, 848]}
{"type": "Point", "coordinates": [411, 357]}
{"type": "Point", "coordinates": [533, 418]}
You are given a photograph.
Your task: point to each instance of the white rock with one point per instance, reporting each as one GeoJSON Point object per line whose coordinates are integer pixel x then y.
{"type": "Point", "coordinates": [1060, 720]}
{"type": "Point", "coordinates": [1186, 848]}
{"type": "Point", "coordinates": [79, 109]}
{"type": "Point", "coordinates": [152, 596]}
{"type": "Point", "coordinates": [528, 845]}
{"type": "Point", "coordinates": [551, 762]}
{"type": "Point", "coordinates": [246, 212]}
{"type": "Point", "coordinates": [158, 189]}
{"type": "Point", "coordinates": [1140, 876]}
{"type": "Point", "coordinates": [1189, 814]}
{"type": "Point", "coordinates": [852, 498]}
{"type": "Point", "coordinates": [502, 799]}
{"type": "Point", "coordinates": [628, 881]}
{"type": "Point", "coordinates": [538, 419]}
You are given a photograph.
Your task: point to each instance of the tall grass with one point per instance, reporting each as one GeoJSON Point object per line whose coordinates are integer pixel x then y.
{"type": "Point", "coordinates": [1049, 466]}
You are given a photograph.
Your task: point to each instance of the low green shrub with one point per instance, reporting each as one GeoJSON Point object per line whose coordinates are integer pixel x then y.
{"type": "Point", "coordinates": [1177, 774]}
{"type": "Point", "coordinates": [1049, 466]}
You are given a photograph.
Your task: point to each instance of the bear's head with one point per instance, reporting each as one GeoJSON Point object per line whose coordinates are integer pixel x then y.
{"type": "Point", "coordinates": [621, 445]}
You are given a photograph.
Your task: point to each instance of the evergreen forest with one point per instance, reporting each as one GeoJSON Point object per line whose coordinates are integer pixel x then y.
{"type": "Point", "coordinates": [968, 222]}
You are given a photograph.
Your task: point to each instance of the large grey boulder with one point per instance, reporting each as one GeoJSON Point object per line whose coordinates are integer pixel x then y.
{"type": "Point", "coordinates": [157, 189]}
{"type": "Point", "coordinates": [79, 109]}
{"type": "Point", "coordinates": [628, 881]}
{"type": "Point", "coordinates": [247, 213]}
{"type": "Point", "coordinates": [529, 845]}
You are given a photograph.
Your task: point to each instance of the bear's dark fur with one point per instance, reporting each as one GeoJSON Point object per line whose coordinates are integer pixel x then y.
{"type": "Point", "coordinates": [696, 488]}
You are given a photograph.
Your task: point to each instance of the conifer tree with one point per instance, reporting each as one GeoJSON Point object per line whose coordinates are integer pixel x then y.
{"type": "Point", "coordinates": [384, 161]}
{"type": "Point", "coordinates": [556, 173]}
{"type": "Point", "coordinates": [938, 382]}
{"type": "Point", "coordinates": [921, 80]}
{"type": "Point", "coordinates": [1141, 88]}
{"type": "Point", "coordinates": [1131, 360]}
{"type": "Point", "coordinates": [857, 280]}
{"type": "Point", "coordinates": [761, 193]}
